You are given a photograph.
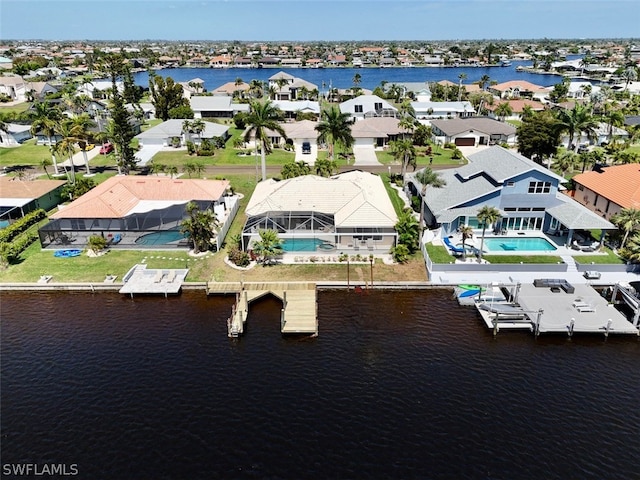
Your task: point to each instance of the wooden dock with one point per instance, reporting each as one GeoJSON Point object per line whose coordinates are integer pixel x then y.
{"type": "Point", "coordinates": [299, 307]}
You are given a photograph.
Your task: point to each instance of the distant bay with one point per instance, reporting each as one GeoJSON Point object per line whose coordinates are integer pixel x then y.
{"type": "Point", "coordinates": [343, 77]}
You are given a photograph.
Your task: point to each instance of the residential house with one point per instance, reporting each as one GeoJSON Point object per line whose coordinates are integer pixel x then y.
{"type": "Point", "coordinates": [19, 197]}
{"type": "Point", "coordinates": [15, 134]}
{"type": "Point", "coordinates": [518, 89]}
{"type": "Point", "coordinates": [376, 131]}
{"type": "Point", "coordinates": [195, 86]}
{"type": "Point", "coordinates": [582, 90]}
{"type": "Point", "coordinates": [348, 212]}
{"type": "Point", "coordinates": [171, 133]}
{"type": "Point", "coordinates": [607, 190]}
{"type": "Point", "coordinates": [288, 87]}
{"type": "Point", "coordinates": [365, 106]}
{"type": "Point", "coordinates": [216, 107]}
{"type": "Point", "coordinates": [518, 107]}
{"type": "Point", "coordinates": [602, 135]}
{"type": "Point", "coordinates": [138, 212]}
{"type": "Point", "coordinates": [527, 195]}
{"type": "Point", "coordinates": [292, 108]}
{"type": "Point", "coordinates": [230, 88]}
{"type": "Point", "coordinates": [473, 131]}
{"type": "Point", "coordinates": [14, 87]}
{"type": "Point", "coordinates": [428, 110]}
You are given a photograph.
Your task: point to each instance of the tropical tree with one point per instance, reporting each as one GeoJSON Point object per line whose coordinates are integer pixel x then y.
{"type": "Point", "coordinates": [538, 136]}
{"type": "Point", "coordinates": [577, 121]}
{"type": "Point", "coordinates": [484, 81]}
{"type": "Point", "coordinates": [165, 95]}
{"type": "Point", "coordinates": [172, 170]}
{"type": "Point", "coordinates": [186, 129]}
{"type": "Point", "coordinates": [627, 220]}
{"type": "Point", "coordinates": [263, 116]}
{"type": "Point", "coordinates": [629, 75]}
{"type": "Point", "coordinates": [461, 77]}
{"type": "Point", "coordinates": [404, 152]}
{"type": "Point", "coordinates": [295, 169]}
{"type": "Point", "coordinates": [256, 88]}
{"type": "Point", "coordinates": [427, 178]}
{"type": "Point", "coordinates": [268, 247]}
{"type": "Point", "coordinates": [45, 118]}
{"type": "Point", "coordinates": [82, 125]}
{"type": "Point", "coordinates": [200, 226]}
{"type": "Point", "coordinates": [567, 161]}
{"type": "Point", "coordinates": [357, 79]}
{"type": "Point", "coordinates": [467, 233]}
{"type": "Point", "coordinates": [503, 110]}
{"type": "Point", "coordinates": [67, 144]}
{"type": "Point", "coordinates": [614, 118]}
{"type": "Point", "coordinates": [46, 162]}
{"type": "Point", "coordinates": [335, 129]}
{"type": "Point", "coordinates": [198, 126]}
{"type": "Point", "coordinates": [486, 216]}
{"type": "Point", "coordinates": [408, 230]}
{"type": "Point", "coordinates": [326, 167]}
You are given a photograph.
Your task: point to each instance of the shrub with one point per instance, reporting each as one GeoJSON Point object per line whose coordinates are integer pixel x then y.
{"type": "Point", "coordinates": [457, 154]}
{"type": "Point", "coordinates": [238, 257]}
{"type": "Point", "coordinates": [191, 147]}
{"type": "Point", "coordinates": [19, 226]}
{"type": "Point", "coordinates": [9, 252]}
{"type": "Point", "coordinates": [97, 243]}
{"type": "Point", "coordinates": [450, 146]}
{"type": "Point", "coordinates": [400, 253]}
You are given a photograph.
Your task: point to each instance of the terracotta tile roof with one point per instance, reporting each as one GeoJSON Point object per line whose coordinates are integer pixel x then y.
{"type": "Point", "coordinates": [117, 196]}
{"type": "Point", "coordinates": [10, 188]}
{"type": "Point", "coordinates": [619, 184]}
{"type": "Point", "coordinates": [520, 84]}
{"type": "Point", "coordinates": [518, 105]}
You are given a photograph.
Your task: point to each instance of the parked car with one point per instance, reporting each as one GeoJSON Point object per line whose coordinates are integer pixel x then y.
{"type": "Point", "coordinates": [306, 148]}
{"type": "Point", "coordinates": [89, 146]}
{"type": "Point", "coordinates": [106, 148]}
{"type": "Point", "coordinates": [583, 148]}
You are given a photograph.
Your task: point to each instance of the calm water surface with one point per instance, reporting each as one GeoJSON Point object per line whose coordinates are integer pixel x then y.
{"type": "Point", "coordinates": [399, 385]}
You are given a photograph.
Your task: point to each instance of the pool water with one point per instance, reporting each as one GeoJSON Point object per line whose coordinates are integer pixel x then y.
{"type": "Point", "coordinates": [302, 244]}
{"type": "Point", "coordinates": [518, 244]}
{"type": "Point", "coordinates": [160, 238]}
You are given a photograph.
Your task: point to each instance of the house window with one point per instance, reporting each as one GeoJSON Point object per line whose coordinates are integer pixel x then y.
{"type": "Point", "coordinates": [358, 108]}
{"type": "Point", "coordinates": [511, 184]}
{"type": "Point", "coordinates": [537, 209]}
{"type": "Point", "coordinates": [510, 209]}
{"type": "Point", "coordinates": [539, 187]}
{"type": "Point", "coordinates": [377, 106]}
{"type": "Point", "coordinates": [580, 187]}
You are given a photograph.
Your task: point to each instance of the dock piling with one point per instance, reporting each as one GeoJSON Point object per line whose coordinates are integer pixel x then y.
{"type": "Point", "coordinates": [571, 325]}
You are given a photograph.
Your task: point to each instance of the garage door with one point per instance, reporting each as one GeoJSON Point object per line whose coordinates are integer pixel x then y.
{"type": "Point", "coordinates": [465, 142]}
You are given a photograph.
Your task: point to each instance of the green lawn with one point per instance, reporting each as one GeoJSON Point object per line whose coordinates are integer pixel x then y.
{"type": "Point", "coordinates": [441, 156]}
{"type": "Point", "coordinates": [522, 259]}
{"type": "Point", "coordinates": [397, 202]}
{"type": "Point", "coordinates": [609, 258]}
{"type": "Point", "coordinates": [19, 108]}
{"type": "Point", "coordinates": [27, 154]}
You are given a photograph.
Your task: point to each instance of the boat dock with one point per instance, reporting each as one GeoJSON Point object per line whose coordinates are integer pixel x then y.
{"type": "Point", "coordinates": [299, 307]}
{"type": "Point", "coordinates": [142, 280]}
{"type": "Point", "coordinates": [545, 307]}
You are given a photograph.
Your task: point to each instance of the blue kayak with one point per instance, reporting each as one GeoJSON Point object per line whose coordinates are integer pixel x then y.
{"type": "Point", "coordinates": [469, 293]}
{"type": "Point", "coordinates": [71, 252]}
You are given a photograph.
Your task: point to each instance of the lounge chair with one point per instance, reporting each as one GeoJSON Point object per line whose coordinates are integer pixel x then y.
{"type": "Point", "coordinates": [452, 247]}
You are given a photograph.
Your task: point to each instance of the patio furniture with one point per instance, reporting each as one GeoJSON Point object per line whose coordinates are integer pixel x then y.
{"type": "Point", "coordinates": [554, 283]}
{"type": "Point", "coordinates": [592, 275]}
{"type": "Point", "coordinates": [452, 247]}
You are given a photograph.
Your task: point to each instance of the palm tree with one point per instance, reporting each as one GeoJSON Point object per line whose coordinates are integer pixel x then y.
{"type": "Point", "coordinates": [256, 88]}
{"type": "Point", "coordinates": [172, 170]}
{"type": "Point", "coordinates": [567, 161]}
{"type": "Point", "coordinates": [404, 152]}
{"type": "Point", "coordinates": [67, 144]}
{"type": "Point", "coordinates": [268, 247]}
{"type": "Point", "coordinates": [408, 230]}
{"type": "Point", "coordinates": [82, 124]}
{"type": "Point", "coordinates": [200, 226]}
{"type": "Point", "coordinates": [486, 216]}
{"type": "Point", "coordinates": [461, 77]}
{"type": "Point", "coordinates": [326, 167]}
{"type": "Point", "coordinates": [627, 219]}
{"type": "Point", "coordinates": [187, 129]}
{"type": "Point", "coordinates": [467, 233]}
{"type": "Point", "coordinates": [45, 118]}
{"type": "Point", "coordinates": [484, 81]}
{"type": "Point", "coordinates": [503, 110]}
{"type": "Point", "coordinates": [427, 177]}
{"type": "Point", "coordinates": [577, 121]}
{"type": "Point", "coordinates": [630, 75]}
{"type": "Point", "coordinates": [263, 116]}
{"type": "Point", "coordinates": [357, 79]}
{"type": "Point", "coordinates": [46, 162]}
{"type": "Point", "coordinates": [614, 118]}
{"type": "Point", "coordinates": [335, 128]}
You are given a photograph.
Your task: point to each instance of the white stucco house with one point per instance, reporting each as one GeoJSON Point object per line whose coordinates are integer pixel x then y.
{"type": "Point", "coordinates": [429, 110]}
{"type": "Point", "coordinates": [365, 106]}
{"type": "Point", "coordinates": [165, 133]}
{"type": "Point", "coordinates": [217, 106]}
{"type": "Point", "coordinates": [15, 134]}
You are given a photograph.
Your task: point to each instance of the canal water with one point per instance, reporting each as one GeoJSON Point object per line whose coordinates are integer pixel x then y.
{"type": "Point", "coordinates": [398, 384]}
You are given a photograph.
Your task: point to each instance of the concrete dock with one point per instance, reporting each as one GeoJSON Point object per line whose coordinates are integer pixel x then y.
{"type": "Point", "coordinates": [143, 280]}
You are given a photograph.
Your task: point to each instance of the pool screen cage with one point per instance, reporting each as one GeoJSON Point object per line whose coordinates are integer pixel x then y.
{"type": "Point", "coordinates": [119, 232]}
{"type": "Point", "coordinates": [299, 224]}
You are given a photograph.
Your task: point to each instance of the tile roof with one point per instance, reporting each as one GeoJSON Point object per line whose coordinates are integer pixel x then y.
{"type": "Point", "coordinates": [30, 189]}
{"type": "Point", "coordinates": [119, 195]}
{"type": "Point", "coordinates": [519, 84]}
{"type": "Point", "coordinates": [356, 199]}
{"type": "Point", "coordinates": [486, 125]}
{"type": "Point", "coordinates": [376, 127]}
{"type": "Point", "coordinates": [619, 184]}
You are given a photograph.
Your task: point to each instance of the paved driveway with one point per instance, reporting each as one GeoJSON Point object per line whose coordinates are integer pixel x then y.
{"type": "Point", "coordinates": [365, 155]}
{"type": "Point", "coordinates": [146, 153]}
{"type": "Point", "coordinates": [310, 158]}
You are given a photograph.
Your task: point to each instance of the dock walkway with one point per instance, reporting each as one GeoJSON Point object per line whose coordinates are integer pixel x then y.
{"type": "Point", "coordinates": [143, 280]}
{"type": "Point", "coordinates": [299, 307]}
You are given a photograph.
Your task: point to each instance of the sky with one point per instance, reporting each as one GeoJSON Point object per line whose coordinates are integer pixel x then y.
{"type": "Point", "coordinates": [315, 20]}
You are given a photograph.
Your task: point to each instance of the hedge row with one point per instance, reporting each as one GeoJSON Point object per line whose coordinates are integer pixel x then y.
{"type": "Point", "coordinates": [19, 226]}
{"type": "Point", "coordinates": [11, 251]}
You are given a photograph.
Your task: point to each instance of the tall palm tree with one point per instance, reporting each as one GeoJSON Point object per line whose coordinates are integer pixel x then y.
{"type": "Point", "coordinates": [263, 116]}
{"type": "Point", "coordinates": [461, 77]}
{"type": "Point", "coordinates": [200, 226]}
{"type": "Point", "coordinates": [567, 161]}
{"type": "Point", "coordinates": [67, 144]}
{"type": "Point", "coordinates": [627, 219]}
{"type": "Point", "coordinates": [467, 233]}
{"type": "Point", "coordinates": [614, 118]}
{"type": "Point", "coordinates": [46, 162]}
{"type": "Point", "coordinates": [427, 178]}
{"type": "Point", "coordinates": [268, 247]}
{"type": "Point", "coordinates": [357, 79]}
{"type": "Point", "coordinates": [335, 128]}
{"type": "Point", "coordinates": [630, 75]}
{"type": "Point", "coordinates": [577, 121]}
{"type": "Point", "coordinates": [484, 81]}
{"type": "Point", "coordinates": [198, 126]}
{"type": "Point", "coordinates": [503, 110]}
{"type": "Point", "coordinates": [45, 117]}
{"type": "Point", "coordinates": [81, 125]}
{"type": "Point", "coordinates": [486, 216]}
{"type": "Point", "coordinates": [403, 151]}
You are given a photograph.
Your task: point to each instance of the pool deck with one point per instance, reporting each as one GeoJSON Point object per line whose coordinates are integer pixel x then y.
{"type": "Point", "coordinates": [143, 280]}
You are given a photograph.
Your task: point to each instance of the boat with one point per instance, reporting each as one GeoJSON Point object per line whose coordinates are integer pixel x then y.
{"type": "Point", "coordinates": [471, 287]}
{"type": "Point", "coordinates": [70, 252]}
{"type": "Point", "coordinates": [468, 293]}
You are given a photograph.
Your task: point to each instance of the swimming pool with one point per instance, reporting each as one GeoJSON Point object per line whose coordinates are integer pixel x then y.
{"type": "Point", "coordinates": [160, 238]}
{"type": "Point", "coordinates": [305, 245]}
{"type": "Point", "coordinates": [518, 244]}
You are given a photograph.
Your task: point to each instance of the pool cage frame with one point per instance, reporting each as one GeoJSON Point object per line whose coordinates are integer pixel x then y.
{"type": "Point", "coordinates": [296, 225]}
